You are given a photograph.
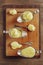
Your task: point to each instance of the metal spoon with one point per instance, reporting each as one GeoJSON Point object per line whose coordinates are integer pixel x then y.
{"type": "Point", "coordinates": [20, 54]}
{"type": "Point", "coordinates": [20, 20]}
{"type": "Point", "coordinates": [29, 43]}
{"type": "Point", "coordinates": [24, 33]}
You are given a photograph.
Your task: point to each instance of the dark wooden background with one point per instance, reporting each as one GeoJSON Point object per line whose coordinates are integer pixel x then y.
{"type": "Point", "coordinates": [20, 61]}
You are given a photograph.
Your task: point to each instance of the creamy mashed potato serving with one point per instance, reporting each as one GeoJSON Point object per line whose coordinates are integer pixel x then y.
{"type": "Point", "coordinates": [15, 45]}
{"type": "Point", "coordinates": [12, 11]}
{"type": "Point", "coordinates": [31, 27]}
{"type": "Point", "coordinates": [27, 15]}
{"type": "Point", "coordinates": [28, 52]}
{"type": "Point", "coordinates": [15, 33]}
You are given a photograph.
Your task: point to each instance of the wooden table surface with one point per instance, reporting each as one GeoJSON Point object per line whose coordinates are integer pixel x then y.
{"type": "Point", "coordinates": [20, 61]}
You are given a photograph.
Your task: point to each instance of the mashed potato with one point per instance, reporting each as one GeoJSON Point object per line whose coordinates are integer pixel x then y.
{"type": "Point", "coordinates": [12, 11]}
{"type": "Point", "coordinates": [15, 33]}
{"type": "Point", "coordinates": [31, 27]}
{"type": "Point", "coordinates": [15, 45]}
{"type": "Point", "coordinates": [27, 15]}
{"type": "Point", "coordinates": [28, 52]}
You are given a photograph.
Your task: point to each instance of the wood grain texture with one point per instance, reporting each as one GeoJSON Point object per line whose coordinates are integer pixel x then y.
{"type": "Point", "coordinates": [22, 61]}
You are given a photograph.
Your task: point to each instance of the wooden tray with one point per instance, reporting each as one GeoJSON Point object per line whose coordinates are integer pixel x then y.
{"type": "Point", "coordinates": [31, 37]}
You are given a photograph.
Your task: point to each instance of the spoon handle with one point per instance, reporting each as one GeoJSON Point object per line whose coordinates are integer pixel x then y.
{"type": "Point", "coordinates": [20, 26]}
{"type": "Point", "coordinates": [29, 43]}
{"type": "Point", "coordinates": [36, 11]}
{"type": "Point", "coordinates": [5, 31]}
{"type": "Point", "coordinates": [38, 51]}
